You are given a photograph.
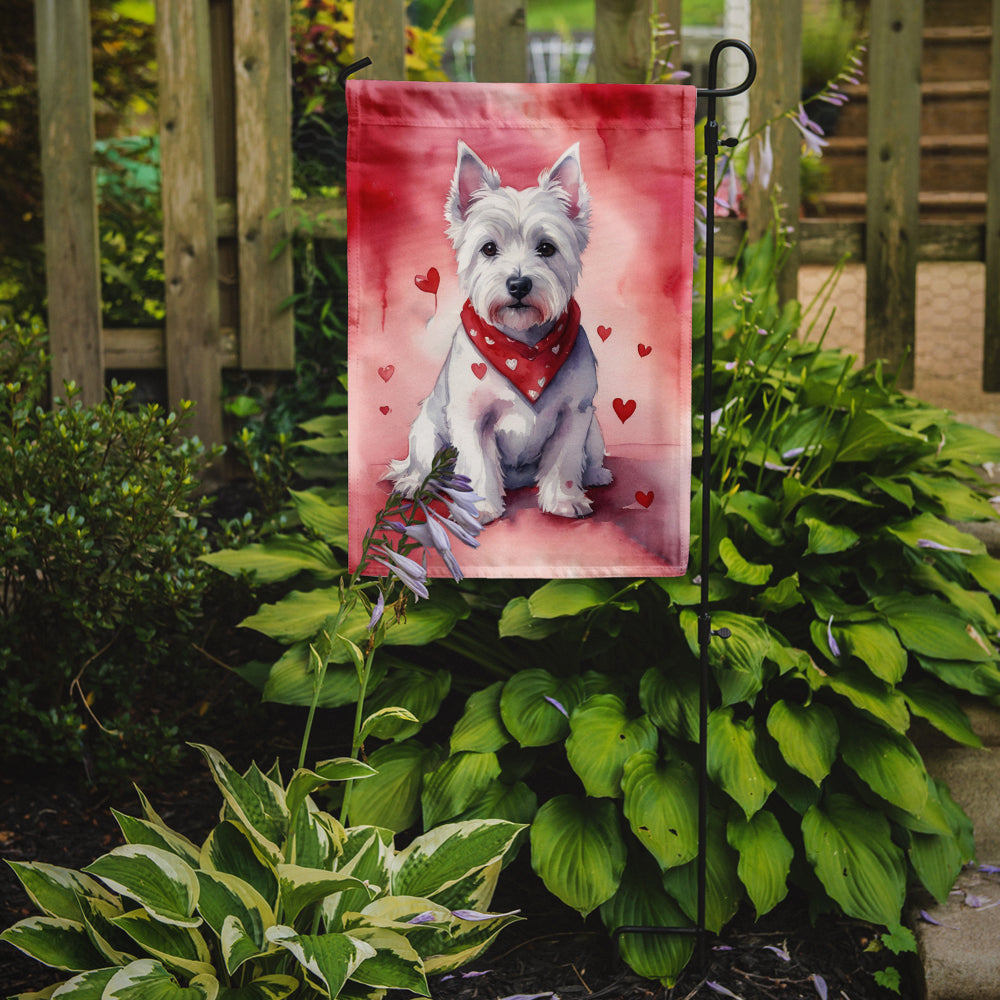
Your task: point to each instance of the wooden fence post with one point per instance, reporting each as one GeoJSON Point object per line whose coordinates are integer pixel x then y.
{"type": "Point", "coordinates": [72, 255]}
{"type": "Point", "coordinates": [622, 40]}
{"type": "Point", "coordinates": [776, 35]}
{"type": "Point", "coordinates": [380, 34]}
{"type": "Point", "coordinates": [190, 251]}
{"type": "Point", "coordinates": [892, 215]}
{"type": "Point", "coordinates": [262, 61]}
{"type": "Point", "coordinates": [501, 41]}
{"type": "Point", "coordinates": [991, 332]}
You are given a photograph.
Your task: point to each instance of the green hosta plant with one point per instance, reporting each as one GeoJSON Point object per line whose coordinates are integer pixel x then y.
{"type": "Point", "coordinates": [279, 900]}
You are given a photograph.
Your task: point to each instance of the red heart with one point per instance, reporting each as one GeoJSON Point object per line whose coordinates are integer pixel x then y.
{"type": "Point", "coordinates": [386, 373]}
{"type": "Point", "coordinates": [604, 332]}
{"type": "Point", "coordinates": [428, 282]}
{"type": "Point", "coordinates": [479, 370]}
{"type": "Point", "coordinates": [384, 410]}
{"type": "Point", "coordinates": [644, 498]}
{"type": "Point", "coordinates": [624, 408]}
{"type": "Point", "coordinates": [644, 350]}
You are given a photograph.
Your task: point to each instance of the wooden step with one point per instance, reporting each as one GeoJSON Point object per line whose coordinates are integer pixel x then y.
{"type": "Point", "coordinates": [956, 53]}
{"type": "Point", "coordinates": [957, 206]}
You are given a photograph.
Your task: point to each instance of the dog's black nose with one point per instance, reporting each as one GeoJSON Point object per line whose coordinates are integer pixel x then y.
{"type": "Point", "coordinates": [519, 287]}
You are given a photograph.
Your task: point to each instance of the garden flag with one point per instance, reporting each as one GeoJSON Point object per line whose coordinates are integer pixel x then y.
{"type": "Point", "coordinates": [520, 267]}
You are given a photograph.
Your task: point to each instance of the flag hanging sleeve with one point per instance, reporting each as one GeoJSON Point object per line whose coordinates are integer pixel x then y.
{"type": "Point", "coordinates": [520, 268]}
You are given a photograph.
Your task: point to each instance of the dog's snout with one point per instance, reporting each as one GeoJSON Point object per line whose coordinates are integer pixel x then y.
{"type": "Point", "coordinates": [519, 287]}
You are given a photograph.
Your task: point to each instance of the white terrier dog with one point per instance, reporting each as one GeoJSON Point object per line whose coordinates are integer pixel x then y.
{"type": "Point", "coordinates": [515, 395]}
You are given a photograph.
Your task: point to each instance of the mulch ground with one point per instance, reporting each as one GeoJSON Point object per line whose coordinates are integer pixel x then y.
{"type": "Point", "coordinates": [551, 952]}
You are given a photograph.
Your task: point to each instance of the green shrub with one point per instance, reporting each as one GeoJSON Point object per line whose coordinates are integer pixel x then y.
{"type": "Point", "coordinates": [99, 541]}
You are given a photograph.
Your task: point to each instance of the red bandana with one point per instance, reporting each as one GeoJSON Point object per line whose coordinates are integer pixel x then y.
{"type": "Point", "coordinates": [528, 369]}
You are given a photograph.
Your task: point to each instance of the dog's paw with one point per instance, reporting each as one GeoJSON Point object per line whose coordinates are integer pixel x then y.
{"type": "Point", "coordinates": [406, 483]}
{"type": "Point", "coordinates": [563, 500]}
{"type": "Point", "coordinates": [489, 511]}
{"type": "Point", "coordinates": [598, 477]}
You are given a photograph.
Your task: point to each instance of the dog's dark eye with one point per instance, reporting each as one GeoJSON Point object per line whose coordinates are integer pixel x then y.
{"type": "Point", "coordinates": [545, 249]}
{"type": "Point", "coordinates": [489, 249]}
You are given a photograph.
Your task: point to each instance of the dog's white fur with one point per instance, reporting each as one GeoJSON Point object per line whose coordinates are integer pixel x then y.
{"type": "Point", "coordinates": [500, 235]}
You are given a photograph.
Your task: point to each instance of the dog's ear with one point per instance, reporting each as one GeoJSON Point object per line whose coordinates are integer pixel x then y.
{"type": "Point", "coordinates": [471, 175]}
{"type": "Point", "coordinates": [567, 173]}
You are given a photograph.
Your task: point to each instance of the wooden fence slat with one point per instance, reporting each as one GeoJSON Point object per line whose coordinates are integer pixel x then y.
{"type": "Point", "coordinates": [190, 253]}
{"type": "Point", "coordinates": [501, 41]}
{"type": "Point", "coordinates": [380, 34]}
{"type": "Point", "coordinates": [776, 36]}
{"type": "Point", "coordinates": [262, 61]}
{"type": "Point", "coordinates": [72, 256]}
{"type": "Point", "coordinates": [621, 40]}
{"type": "Point", "coordinates": [991, 332]}
{"type": "Point", "coordinates": [893, 184]}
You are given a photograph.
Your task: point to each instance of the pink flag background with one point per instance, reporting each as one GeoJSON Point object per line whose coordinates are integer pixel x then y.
{"type": "Point", "coordinates": [637, 155]}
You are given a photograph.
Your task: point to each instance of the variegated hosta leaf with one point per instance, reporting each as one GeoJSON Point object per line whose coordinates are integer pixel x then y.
{"type": "Point", "coordinates": [315, 838]}
{"type": "Point", "coordinates": [441, 857]}
{"type": "Point", "coordinates": [367, 853]}
{"type": "Point", "coordinates": [177, 947]}
{"type": "Point", "coordinates": [158, 880]}
{"type": "Point", "coordinates": [141, 831]}
{"type": "Point", "coordinates": [535, 706]}
{"type": "Point", "coordinates": [86, 986]}
{"type": "Point", "coordinates": [481, 727]}
{"type": "Point", "coordinates": [230, 849]}
{"type": "Point", "coordinates": [147, 979]}
{"type": "Point", "coordinates": [807, 736]}
{"type": "Point", "coordinates": [475, 891]}
{"type": "Point", "coordinates": [98, 915]}
{"type": "Point", "coordinates": [54, 941]}
{"type": "Point", "coordinates": [225, 897]}
{"type": "Point", "coordinates": [602, 737]}
{"type": "Point", "coordinates": [661, 805]}
{"type": "Point", "coordinates": [578, 851]}
{"type": "Point", "coordinates": [304, 782]}
{"type": "Point", "coordinates": [466, 941]}
{"type": "Point", "coordinates": [888, 763]}
{"type": "Point", "coordinates": [274, 987]}
{"type": "Point", "coordinates": [456, 784]}
{"type": "Point", "coordinates": [642, 902]}
{"type": "Point", "coordinates": [850, 847]}
{"type": "Point", "coordinates": [765, 858]}
{"type": "Point", "coordinates": [56, 891]}
{"type": "Point", "coordinates": [256, 801]}
{"type": "Point", "coordinates": [329, 959]}
{"type": "Point", "coordinates": [301, 887]}
{"type": "Point", "coordinates": [395, 964]}
{"type": "Point", "coordinates": [732, 760]}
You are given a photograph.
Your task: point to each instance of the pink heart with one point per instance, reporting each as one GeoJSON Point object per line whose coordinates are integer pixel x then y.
{"type": "Point", "coordinates": [624, 408]}
{"type": "Point", "coordinates": [384, 410]}
{"type": "Point", "coordinates": [644, 350]}
{"type": "Point", "coordinates": [479, 370]}
{"type": "Point", "coordinates": [644, 498]}
{"type": "Point", "coordinates": [386, 373]}
{"type": "Point", "coordinates": [428, 282]}
{"type": "Point", "coordinates": [604, 332]}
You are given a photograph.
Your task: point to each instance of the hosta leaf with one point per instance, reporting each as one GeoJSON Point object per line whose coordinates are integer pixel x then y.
{"type": "Point", "coordinates": [301, 887]}
{"type": "Point", "coordinates": [758, 511]}
{"type": "Point", "coordinates": [931, 628]}
{"type": "Point", "coordinates": [986, 571]}
{"type": "Point", "coordinates": [732, 760]}
{"type": "Point", "coordinates": [957, 501]}
{"type": "Point", "coordinates": [516, 803]}
{"type": "Point", "coordinates": [641, 901]}
{"type": "Point", "coordinates": [965, 443]}
{"type": "Point", "coordinates": [304, 782]}
{"type": "Point", "coordinates": [671, 700]}
{"type": "Point", "coordinates": [602, 738]}
{"type": "Point", "coordinates": [441, 857]}
{"type": "Point", "coordinates": [225, 897]}
{"type": "Point", "coordinates": [280, 557]}
{"type": "Point", "coordinates": [517, 620]}
{"type": "Point", "coordinates": [828, 539]}
{"type": "Point", "coordinates": [765, 858]}
{"type": "Point", "coordinates": [328, 521]}
{"type": "Point", "coordinates": [147, 979]}
{"type": "Point", "coordinates": [98, 916]}
{"type": "Point", "coordinates": [578, 851]}
{"type": "Point", "coordinates": [876, 646]}
{"type": "Point", "coordinates": [391, 798]}
{"type": "Point", "coordinates": [159, 881]}
{"type": "Point", "coordinates": [530, 706]}
{"type": "Point", "coordinates": [866, 692]}
{"type": "Point", "coordinates": [928, 528]}
{"type": "Point", "coordinates": [850, 848]}
{"type": "Point", "coordinates": [415, 689]}
{"type": "Point", "coordinates": [888, 763]}
{"type": "Point", "coordinates": [54, 941]}
{"type": "Point", "coordinates": [330, 959]}
{"type": "Point", "coordinates": [807, 736]}
{"type": "Point", "coordinates": [180, 948]}
{"type": "Point", "coordinates": [739, 569]}
{"type": "Point", "coordinates": [466, 941]}
{"type": "Point", "coordinates": [723, 889]}
{"type": "Point", "coordinates": [456, 784]}
{"type": "Point", "coordinates": [86, 986]}
{"type": "Point", "coordinates": [738, 661]}
{"type": "Point", "coordinates": [395, 964]}
{"type": "Point", "coordinates": [56, 891]}
{"type": "Point", "coordinates": [141, 831]}
{"type": "Point", "coordinates": [366, 855]}
{"type": "Point", "coordinates": [783, 595]}
{"type": "Point", "coordinates": [937, 860]}
{"type": "Point", "coordinates": [870, 435]}
{"type": "Point", "coordinates": [291, 680]}
{"type": "Point", "coordinates": [274, 987]}
{"type": "Point", "coordinates": [941, 709]}
{"type": "Point", "coordinates": [559, 598]}
{"type": "Point", "coordinates": [230, 849]}
{"type": "Point", "coordinates": [481, 728]}
{"type": "Point", "coordinates": [661, 799]}
{"type": "Point", "coordinates": [976, 678]}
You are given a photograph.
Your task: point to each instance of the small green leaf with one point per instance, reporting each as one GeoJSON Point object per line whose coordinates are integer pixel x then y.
{"type": "Point", "coordinates": [828, 539]}
{"type": "Point", "coordinates": [559, 598]}
{"type": "Point", "coordinates": [330, 958]}
{"type": "Point", "coordinates": [807, 736]}
{"type": "Point", "coordinates": [732, 760]}
{"type": "Point", "coordinates": [481, 727]}
{"type": "Point", "coordinates": [936, 704]}
{"type": "Point", "coordinates": [765, 858]}
{"type": "Point", "coordinates": [888, 763]}
{"type": "Point", "coordinates": [671, 700]}
{"type": "Point", "coordinates": [279, 558]}
{"type": "Point", "coordinates": [535, 706]}
{"type": "Point", "coordinates": [739, 569]}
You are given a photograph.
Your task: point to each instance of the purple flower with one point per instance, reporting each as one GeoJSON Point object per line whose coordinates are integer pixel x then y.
{"type": "Point", "coordinates": [558, 705]}
{"type": "Point", "coordinates": [834, 648]}
{"type": "Point", "coordinates": [820, 983]}
{"type": "Point", "coordinates": [927, 543]}
{"type": "Point", "coordinates": [377, 611]}
{"type": "Point", "coordinates": [475, 915]}
{"type": "Point", "coordinates": [811, 132]}
{"type": "Point", "coordinates": [412, 575]}
{"type": "Point", "coordinates": [427, 917]}
{"type": "Point", "coordinates": [760, 166]}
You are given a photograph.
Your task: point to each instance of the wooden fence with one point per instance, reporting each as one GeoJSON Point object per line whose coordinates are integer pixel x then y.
{"type": "Point", "coordinates": [226, 161]}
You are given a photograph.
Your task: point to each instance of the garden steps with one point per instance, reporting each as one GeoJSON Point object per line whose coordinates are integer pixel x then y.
{"type": "Point", "coordinates": [960, 954]}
